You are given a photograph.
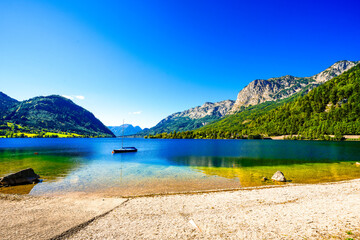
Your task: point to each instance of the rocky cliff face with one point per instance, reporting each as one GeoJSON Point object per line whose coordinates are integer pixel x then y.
{"type": "Point", "coordinates": [333, 71]}
{"type": "Point", "coordinates": [260, 90]}
{"type": "Point", "coordinates": [217, 109]}
{"type": "Point", "coordinates": [192, 118]}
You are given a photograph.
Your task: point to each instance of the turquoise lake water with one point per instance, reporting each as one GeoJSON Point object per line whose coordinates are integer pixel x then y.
{"type": "Point", "coordinates": [164, 165]}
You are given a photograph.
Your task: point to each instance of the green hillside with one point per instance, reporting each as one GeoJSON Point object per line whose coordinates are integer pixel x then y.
{"type": "Point", "coordinates": [330, 109]}
{"type": "Point", "coordinates": [6, 102]}
{"type": "Point", "coordinates": [50, 116]}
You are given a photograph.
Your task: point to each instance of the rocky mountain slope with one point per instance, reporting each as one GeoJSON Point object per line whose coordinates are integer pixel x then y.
{"type": "Point", "coordinates": [326, 113]}
{"type": "Point", "coordinates": [218, 109]}
{"type": "Point", "coordinates": [192, 118]}
{"type": "Point", "coordinates": [259, 91]}
{"type": "Point", "coordinates": [128, 129]}
{"type": "Point", "coordinates": [54, 113]}
{"type": "Point", "coordinates": [330, 109]}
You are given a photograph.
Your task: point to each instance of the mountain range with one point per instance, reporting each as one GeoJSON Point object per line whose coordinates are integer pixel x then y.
{"type": "Point", "coordinates": [327, 112]}
{"type": "Point", "coordinates": [260, 90]}
{"type": "Point", "coordinates": [126, 129]}
{"type": "Point", "coordinates": [192, 118]}
{"type": "Point", "coordinates": [265, 94]}
{"type": "Point", "coordinates": [333, 108]}
{"type": "Point", "coordinates": [312, 106]}
{"type": "Point", "coordinates": [49, 114]}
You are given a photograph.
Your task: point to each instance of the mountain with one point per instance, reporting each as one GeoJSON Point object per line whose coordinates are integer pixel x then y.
{"type": "Point", "coordinates": [256, 98]}
{"type": "Point", "coordinates": [128, 130]}
{"type": "Point", "coordinates": [6, 102]}
{"type": "Point", "coordinates": [192, 118]}
{"type": "Point", "coordinates": [236, 122]}
{"type": "Point", "coordinates": [259, 91]}
{"type": "Point", "coordinates": [333, 108]}
{"type": "Point", "coordinates": [54, 114]}
{"type": "Point", "coordinates": [330, 109]}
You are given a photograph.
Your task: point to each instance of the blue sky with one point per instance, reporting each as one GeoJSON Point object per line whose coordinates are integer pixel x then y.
{"type": "Point", "coordinates": [143, 60]}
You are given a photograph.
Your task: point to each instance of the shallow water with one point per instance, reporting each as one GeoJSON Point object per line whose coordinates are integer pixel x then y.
{"type": "Point", "coordinates": [162, 165]}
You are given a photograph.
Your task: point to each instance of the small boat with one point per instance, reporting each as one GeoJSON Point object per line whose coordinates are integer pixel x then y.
{"type": "Point", "coordinates": [125, 149]}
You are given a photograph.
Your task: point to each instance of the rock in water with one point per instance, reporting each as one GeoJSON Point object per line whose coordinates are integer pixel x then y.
{"type": "Point", "coordinates": [279, 176]}
{"type": "Point", "coordinates": [26, 176]}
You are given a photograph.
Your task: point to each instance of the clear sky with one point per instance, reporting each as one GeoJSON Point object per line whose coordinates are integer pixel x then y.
{"type": "Point", "coordinates": [144, 60]}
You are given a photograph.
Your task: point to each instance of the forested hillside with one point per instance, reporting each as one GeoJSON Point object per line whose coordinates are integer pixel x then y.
{"type": "Point", "coordinates": [6, 102]}
{"type": "Point", "coordinates": [330, 109]}
{"type": "Point", "coordinates": [257, 98]}
{"type": "Point", "coordinates": [49, 116]}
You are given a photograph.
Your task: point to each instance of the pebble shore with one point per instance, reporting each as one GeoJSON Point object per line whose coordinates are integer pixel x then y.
{"type": "Point", "coordinates": [313, 211]}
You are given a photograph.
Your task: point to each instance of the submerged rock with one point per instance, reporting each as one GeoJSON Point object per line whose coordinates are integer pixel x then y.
{"type": "Point", "coordinates": [26, 176]}
{"type": "Point", "coordinates": [279, 177]}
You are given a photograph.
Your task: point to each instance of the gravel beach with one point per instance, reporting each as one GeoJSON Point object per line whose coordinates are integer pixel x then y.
{"type": "Point", "coordinates": [318, 211]}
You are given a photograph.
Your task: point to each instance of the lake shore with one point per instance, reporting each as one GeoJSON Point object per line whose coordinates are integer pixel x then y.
{"type": "Point", "coordinates": [345, 137]}
{"type": "Point", "coordinates": [313, 211]}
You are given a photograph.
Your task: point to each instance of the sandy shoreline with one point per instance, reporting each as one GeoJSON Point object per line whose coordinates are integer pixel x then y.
{"type": "Point", "coordinates": [316, 211]}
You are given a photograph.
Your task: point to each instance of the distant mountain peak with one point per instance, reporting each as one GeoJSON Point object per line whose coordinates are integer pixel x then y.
{"type": "Point", "coordinates": [334, 70]}
{"type": "Point", "coordinates": [127, 128]}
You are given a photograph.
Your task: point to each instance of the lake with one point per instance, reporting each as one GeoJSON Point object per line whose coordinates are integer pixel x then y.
{"type": "Point", "coordinates": [171, 165]}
